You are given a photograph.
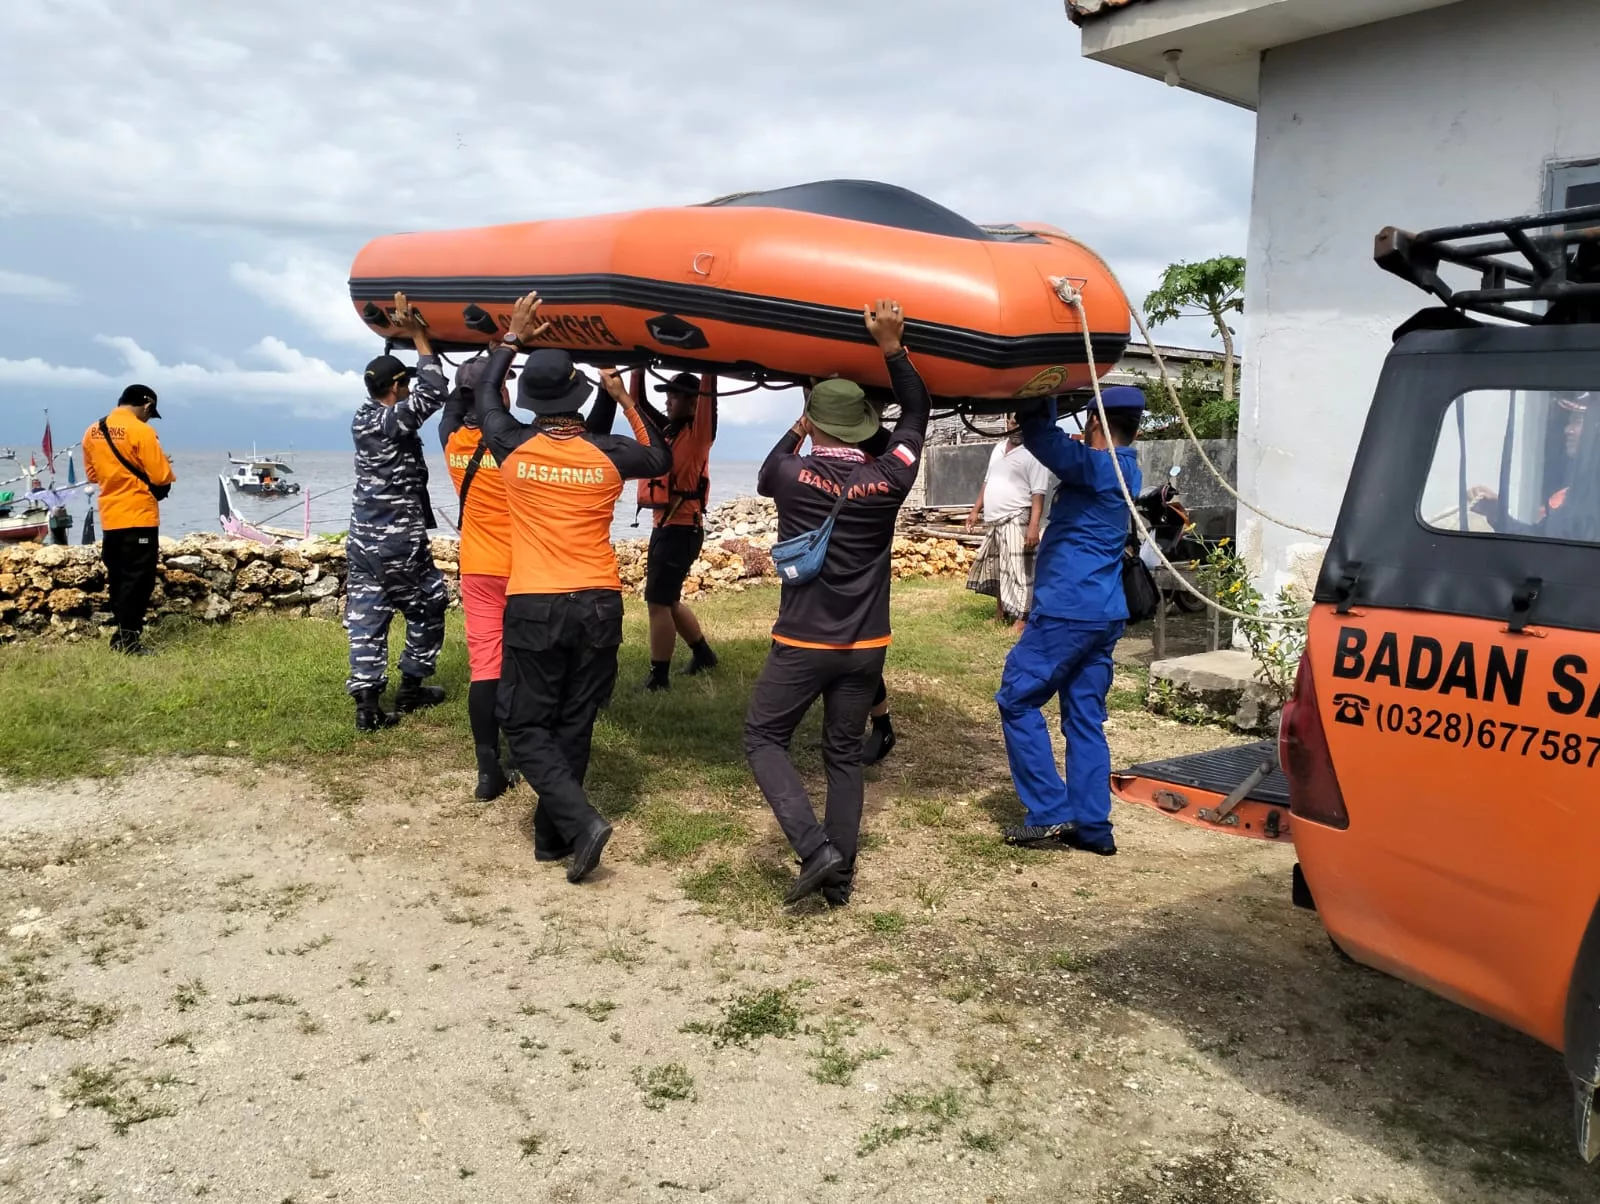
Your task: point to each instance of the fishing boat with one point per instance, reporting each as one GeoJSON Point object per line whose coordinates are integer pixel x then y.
{"type": "Point", "coordinates": [22, 518]}
{"type": "Point", "coordinates": [236, 526]}
{"type": "Point", "coordinates": [262, 476]}
{"type": "Point", "coordinates": [770, 286]}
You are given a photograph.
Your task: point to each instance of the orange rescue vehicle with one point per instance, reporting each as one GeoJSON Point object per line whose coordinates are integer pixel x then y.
{"type": "Point", "coordinates": [1438, 768]}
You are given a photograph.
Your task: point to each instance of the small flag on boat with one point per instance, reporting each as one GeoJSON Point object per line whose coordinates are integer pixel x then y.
{"type": "Point", "coordinates": [72, 473]}
{"type": "Point", "coordinates": [47, 444]}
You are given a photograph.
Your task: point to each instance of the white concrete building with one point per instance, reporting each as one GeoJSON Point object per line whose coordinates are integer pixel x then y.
{"type": "Point", "coordinates": [1370, 113]}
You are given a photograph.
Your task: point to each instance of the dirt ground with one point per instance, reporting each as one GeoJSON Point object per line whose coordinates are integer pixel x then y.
{"type": "Point", "coordinates": [233, 983]}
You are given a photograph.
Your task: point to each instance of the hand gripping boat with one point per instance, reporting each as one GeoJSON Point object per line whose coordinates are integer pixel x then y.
{"type": "Point", "coordinates": [770, 286]}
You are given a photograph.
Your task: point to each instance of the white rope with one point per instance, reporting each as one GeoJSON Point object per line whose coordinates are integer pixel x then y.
{"type": "Point", "coordinates": [1172, 393]}
{"type": "Point", "coordinates": [1195, 439]}
{"type": "Point", "coordinates": [1073, 297]}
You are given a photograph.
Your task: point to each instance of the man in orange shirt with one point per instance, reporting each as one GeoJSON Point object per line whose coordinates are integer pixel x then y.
{"type": "Point", "coordinates": [485, 525]}
{"type": "Point", "coordinates": [122, 455]}
{"type": "Point", "coordinates": [679, 501]}
{"type": "Point", "coordinates": [563, 617]}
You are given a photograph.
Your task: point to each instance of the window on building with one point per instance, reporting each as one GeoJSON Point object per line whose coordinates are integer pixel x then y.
{"type": "Point", "coordinates": [1518, 462]}
{"type": "Point", "coordinates": [1573, 184]}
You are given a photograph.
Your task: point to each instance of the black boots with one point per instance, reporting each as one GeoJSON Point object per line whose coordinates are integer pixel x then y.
{"type": "Point", "coordinates": [370, 715]}
{"type": "Point", "coordinates": [492, 778]}
{"type": "Point", "coordinates": [128, 643]}
{"type": "Point", "coordinates": [701, 659]}
{"type": "Point", "coordinates": [658, 679]}
{"type": "Point", "coordinates": [413, 695]}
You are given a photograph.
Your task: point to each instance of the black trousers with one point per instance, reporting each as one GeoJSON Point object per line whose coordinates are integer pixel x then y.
{"type": "Point", "coordinates": [130, 555]}
{"type": "Point", "coordinates": [791, 680]}
{"type": "Point", "coordinates": [558, 670]}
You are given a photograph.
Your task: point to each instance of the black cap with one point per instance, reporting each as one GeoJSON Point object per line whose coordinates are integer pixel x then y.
{"type": "Point", "coordinates": [551, 383]}
{"type": "Point", "coordinates": [684, 382]}
{"type": "Point", "coordinates": [383, 372]}
{"type": "Point", "coordinates": [139, 395]}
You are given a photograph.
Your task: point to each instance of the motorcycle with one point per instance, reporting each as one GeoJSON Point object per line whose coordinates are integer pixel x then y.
{"type": "Point", "coordinates": [1173, 533]}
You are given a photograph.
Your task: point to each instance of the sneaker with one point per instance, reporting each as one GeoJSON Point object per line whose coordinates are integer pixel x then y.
{"type": "Point", "coordinates": [1029, 835]}
{"type": "Point", "coordinates": [1101, 848]}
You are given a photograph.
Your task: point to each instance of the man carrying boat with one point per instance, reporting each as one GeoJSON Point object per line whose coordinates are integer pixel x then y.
{"type": "Point", "coordinates": [833, 630]}
{"type": "Point", "coordinates": [391, 563]}
{"type": "Point", "coordinates": [678, 500]}
{"type": "Point", "coordinates": [122, 455]}
{"type": "Point", "coordinates": [563, 617]}
{"type": "Point", "coordinates": [485, 525]}
{"type": "Point", "coordinates": [1078, 615]}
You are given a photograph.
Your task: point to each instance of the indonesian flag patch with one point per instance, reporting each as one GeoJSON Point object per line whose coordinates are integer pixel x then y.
{"type": "Point", "coordinates": [904, 454]}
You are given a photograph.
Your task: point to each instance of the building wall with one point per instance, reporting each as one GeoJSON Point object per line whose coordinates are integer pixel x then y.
{"type": "Point", "coordinates": [954, 474]}
{"type": "Point", "coordinates": [1447, 116]}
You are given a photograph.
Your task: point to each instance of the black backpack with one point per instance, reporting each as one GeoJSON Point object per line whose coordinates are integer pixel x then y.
{"type": "Point", "coordinates": [1138, 584]}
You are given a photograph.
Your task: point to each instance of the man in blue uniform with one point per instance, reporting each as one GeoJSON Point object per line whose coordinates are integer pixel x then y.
{"type": "Point", "coordinates": [1078, 616]}
{"type": "Point", "coordinates": [391, 565]}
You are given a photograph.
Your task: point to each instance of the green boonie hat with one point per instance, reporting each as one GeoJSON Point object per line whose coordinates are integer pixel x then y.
{"type": "Point", "coordinates": [839, 408]}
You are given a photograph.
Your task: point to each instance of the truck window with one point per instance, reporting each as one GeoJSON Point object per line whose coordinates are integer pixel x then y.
{"type": "Point", "coordinates": [1523, 463]}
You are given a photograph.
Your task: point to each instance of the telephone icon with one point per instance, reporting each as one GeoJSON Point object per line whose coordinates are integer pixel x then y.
{"type": "Point", "coordinates": [1352, 709]}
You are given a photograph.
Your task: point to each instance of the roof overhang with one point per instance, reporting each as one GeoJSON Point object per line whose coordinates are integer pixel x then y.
{"type": "Point", "coordinates": [1219, 42]}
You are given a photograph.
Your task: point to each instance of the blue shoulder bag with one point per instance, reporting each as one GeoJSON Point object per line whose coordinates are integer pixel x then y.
{"type": "Point", "coordinates": [800, 559]}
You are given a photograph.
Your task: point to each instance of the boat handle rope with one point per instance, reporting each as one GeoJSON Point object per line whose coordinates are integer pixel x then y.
{"type": "Point", "coordinates": [1073, 297]}
{"type": "Point", "coordinates": [1060, 282]}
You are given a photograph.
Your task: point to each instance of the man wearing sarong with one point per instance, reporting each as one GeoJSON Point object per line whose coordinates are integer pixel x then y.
{"type": "Point", "coordinates": [1010, 503]}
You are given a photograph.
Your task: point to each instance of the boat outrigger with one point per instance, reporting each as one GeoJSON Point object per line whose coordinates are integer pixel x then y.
{"type": "Point", "coordinates": [237, 527]}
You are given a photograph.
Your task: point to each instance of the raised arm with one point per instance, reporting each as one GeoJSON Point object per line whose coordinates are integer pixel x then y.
{"type": "Point", "coordinates": [427, 395]}
{"type": "Point", "coordinates": [1063, 455]}
{"type": "Point", "coordinates": [458, 405]}
{"type": "Point", "coordinates": [503, 433]}
{"type": "Point", "coordinates": [646, 454]}
{"type": "Point", "coordinates": [787, 445]}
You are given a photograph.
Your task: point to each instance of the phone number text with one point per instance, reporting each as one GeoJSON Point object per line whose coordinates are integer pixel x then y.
{"type": "Point", "coordinates": [1464, 730]}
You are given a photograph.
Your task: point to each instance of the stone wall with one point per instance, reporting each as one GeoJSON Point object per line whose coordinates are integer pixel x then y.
{"type": "Point", "coordinates": [61, 592]}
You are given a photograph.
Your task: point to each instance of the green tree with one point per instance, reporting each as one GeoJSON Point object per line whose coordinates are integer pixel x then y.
{"type": "Point", "coordinates": [1212, 289]}
{"type": "Point", "coordinates": [1211, 415]}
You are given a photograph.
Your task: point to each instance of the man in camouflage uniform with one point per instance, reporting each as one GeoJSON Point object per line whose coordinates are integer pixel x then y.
{"type": "Point", "coordinates": [391, 566]}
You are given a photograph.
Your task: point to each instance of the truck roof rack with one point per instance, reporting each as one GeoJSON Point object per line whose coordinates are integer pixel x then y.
{"type": "Point", "coordinates": [1548, 257]}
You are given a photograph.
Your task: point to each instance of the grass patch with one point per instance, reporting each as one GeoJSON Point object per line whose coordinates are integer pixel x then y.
{"type": "Point", "coordinates": [677, 833]}
{"type": "Point", "coordinates": [597, 1011]}
{"type": "Point", "coordinates": [737, 889]}
{"type": "Point", "coordinates": [833, 1063]}
{"type": "Point", "coordinates": [921, 1114]}
{"type": "Point", "coordinates": [749, 1017]}
{"type": "Point", "coordinates": [125, 1096]}
{"type": "Point", "coordinates": [189, 995]}
{"type": "Point", "coordinates": [886, 923]}
{"type": "Point", "coordinates": [28, 1007]}
{"type": "Point", "coordinates": [663, 1084]}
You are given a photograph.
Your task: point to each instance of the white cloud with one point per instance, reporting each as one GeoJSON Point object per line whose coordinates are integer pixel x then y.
{"type": "Point", "coordinates": [301, 385]}
{"type": "Point", "coordinates": [35, 288]}
{"type": "Point", "coordinates": [311, 285]}
{"type": "Point", "coordinates": [292, 117]}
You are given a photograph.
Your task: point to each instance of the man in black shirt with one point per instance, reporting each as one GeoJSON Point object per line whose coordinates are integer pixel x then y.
{"type": "Point", "coordinates": [832, 631]}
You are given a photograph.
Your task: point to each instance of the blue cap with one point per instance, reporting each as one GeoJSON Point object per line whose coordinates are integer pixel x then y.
{"type": "Point", "coordinates": [1127, 398]}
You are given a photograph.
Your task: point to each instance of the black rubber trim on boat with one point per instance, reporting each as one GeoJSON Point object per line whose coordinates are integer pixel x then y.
{"type": "Point", "coordinates": [806, 318]}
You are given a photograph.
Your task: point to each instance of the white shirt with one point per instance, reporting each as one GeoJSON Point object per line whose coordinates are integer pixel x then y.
{"type": "Point", "coordinates": [1013, 479]}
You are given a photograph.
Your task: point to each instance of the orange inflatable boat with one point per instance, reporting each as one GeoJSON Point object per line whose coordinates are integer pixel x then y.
{"type": "Point", "coordinates": [770, 285]}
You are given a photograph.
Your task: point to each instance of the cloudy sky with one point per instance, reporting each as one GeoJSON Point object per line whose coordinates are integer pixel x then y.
{"type": "Point", "coordinates": [183, 183]}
